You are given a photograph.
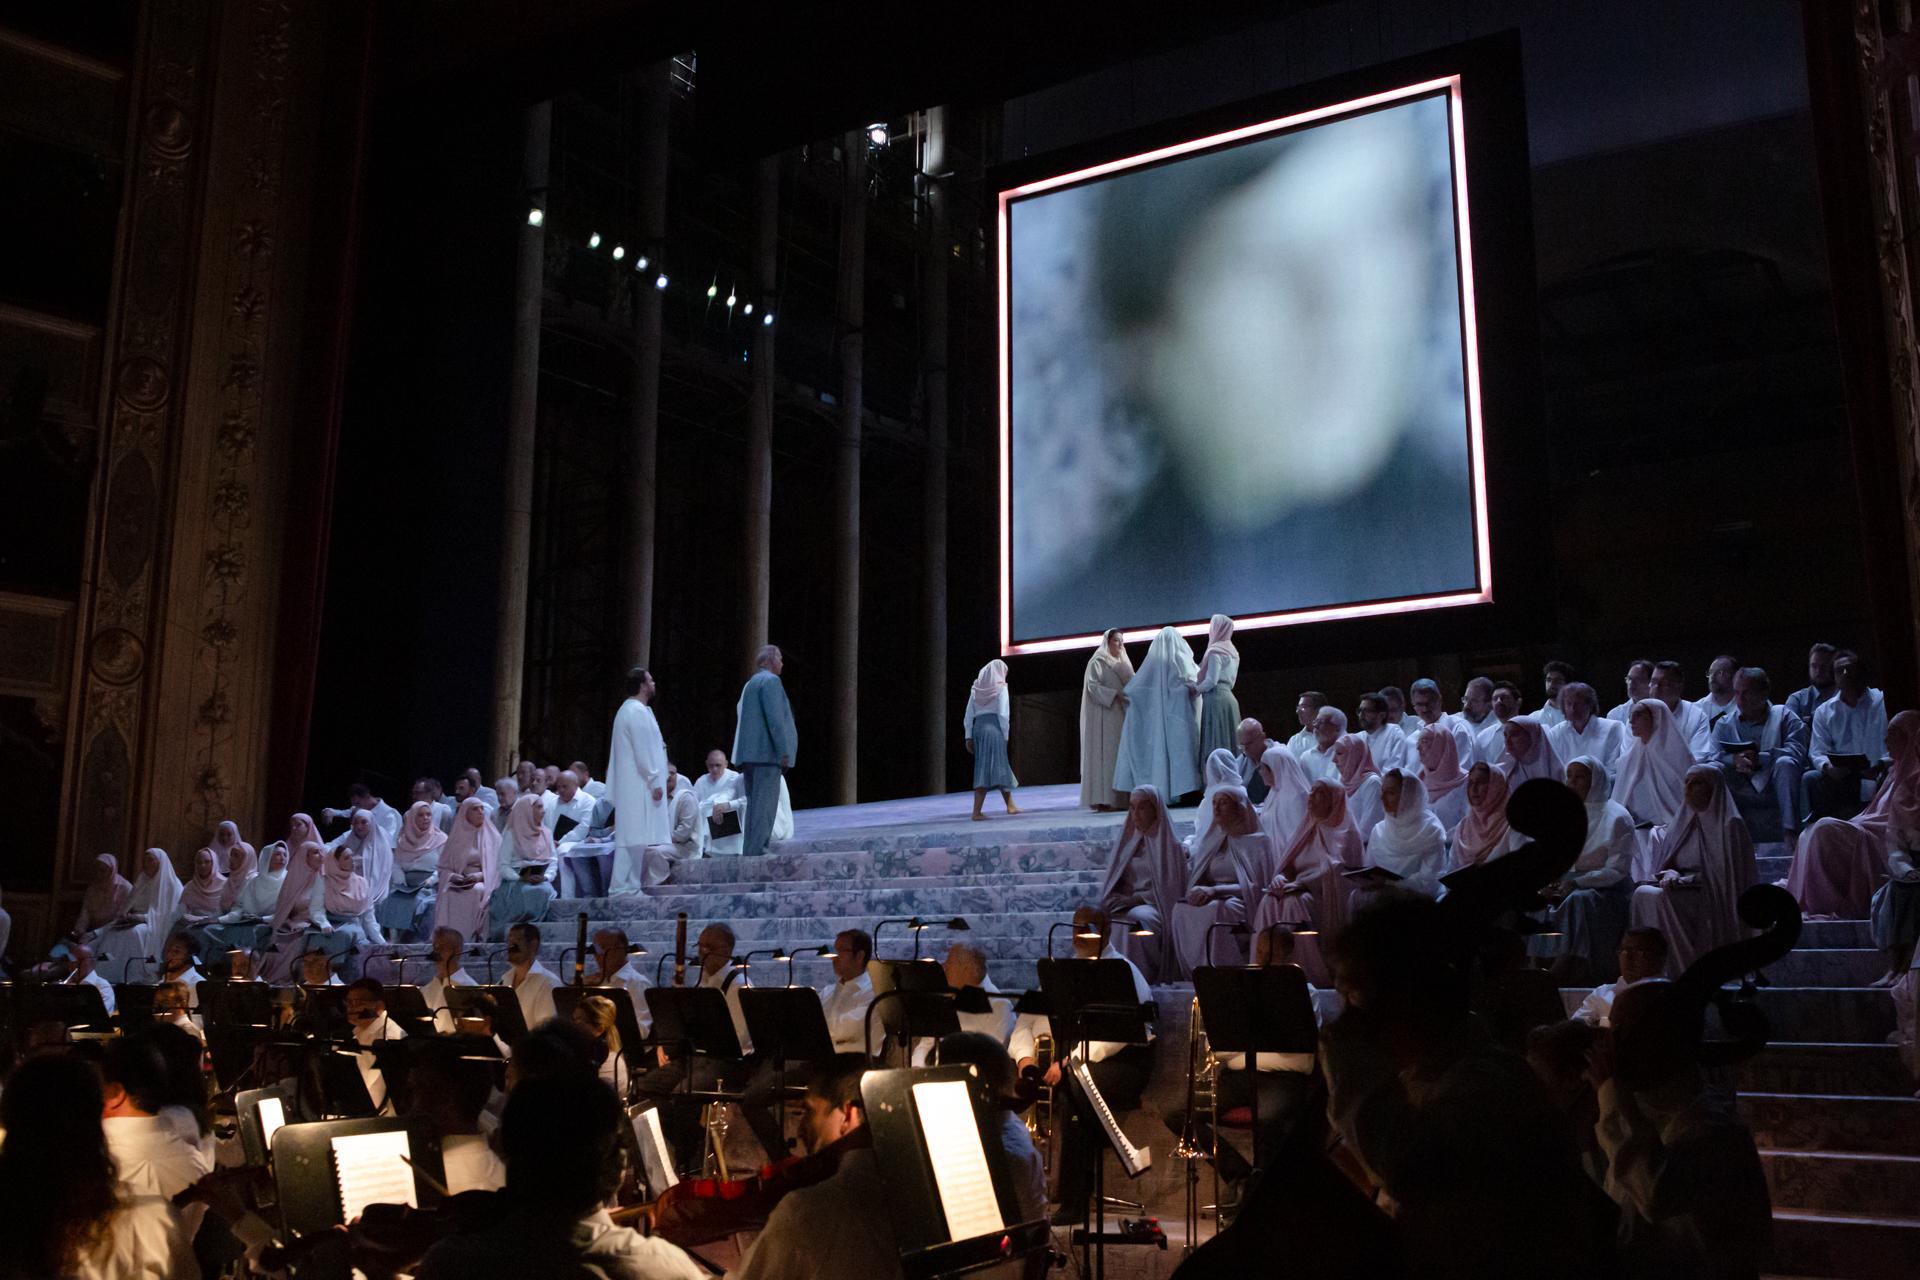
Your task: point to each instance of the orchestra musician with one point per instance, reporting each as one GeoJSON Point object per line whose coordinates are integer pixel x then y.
{"type": "Point", "coordinates": [679, 1116]}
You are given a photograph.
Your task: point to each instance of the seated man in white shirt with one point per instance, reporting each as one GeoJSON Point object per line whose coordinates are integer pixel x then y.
{"type": "Point", "coordinates": [1490, 743]}
{"type": "Point", "coordinates": [1582, 731]}
{"type": "Point", "coordinates": [447, 946]}
{"type": "Point", "coordinates": [1639, 688]}
{"type": "Point", "coordinates": [1555, 676]}
{"type": "Point", "coordinates": [1250, 736]}
{"type": "Point", "coordinates": [1120, 1073]}
{"type": "Point", "coordinates": [170, 1009]}
{"type": "Point", "coordinates": [366, 1004]}
{"type": "Point", "coordinates": [1329, 723]}
{"type": "Point", "coordinates": [1385, 741]}
{"type": "Point", "coordinates": [1763, 748]}
{"type": "Point", "coordinates": [532, 982]}
{"type": "Point", "coordinates": [588, 783]}
{"type": "Point", "coordinates": [1669, 685]}
{"type": "Point", "coordinates": [1424, 698]}
{"type": "Point", "coordinates": [1719, 700]}
{"type": "Point", "coordinates": [613, 960]}
{"type": "Point", "coordinates": [1848, 754]}
{"type": "Point", "coordinates": [153, 1156]}
{"type": "Point", "coordinates": [844, 1005]}
{"type": "Point", "coordinates": [85, 973]}
{"type": "Point", "coordinates": [1476, 709]}
{"type": "Point", "coordinates": [679, 1119]}
{"type": "Point", "coordinates": [966, 966]}
{"type": "Point", "coordinates": [1304, 710]}
{"type": "Point", "coordinates": [568, 801]}
{"type": "Point", "coordinates": [1643, 955]}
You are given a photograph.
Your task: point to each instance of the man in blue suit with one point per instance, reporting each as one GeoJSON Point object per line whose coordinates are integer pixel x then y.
{"type": "Point", "coordinates": [763, 745]}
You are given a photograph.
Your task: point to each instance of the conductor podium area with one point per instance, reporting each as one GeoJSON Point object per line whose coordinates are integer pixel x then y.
{"type": "Point", "coordinates": [1830, 1102]}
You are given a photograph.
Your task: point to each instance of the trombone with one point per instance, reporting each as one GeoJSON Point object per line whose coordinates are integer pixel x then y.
{"type": "Point", "coordinates": [1201, 1091]}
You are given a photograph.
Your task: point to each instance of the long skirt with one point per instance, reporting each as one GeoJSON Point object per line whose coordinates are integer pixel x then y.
{"type": "Point", "coordinates": [516, 900]}
{"type": "Point", "coordinates": [1219, 722]}
{"type": "Point", "coordinates": [991, 769]}
{"type": "Point", "coordinates": [406, 914]}
{"type": "Point", "coordinates": [1197, 943]}
{"type": "Point", "coordinates": [1835, 870]}
{"type": "Point", "coordinates": [1685, 918]}
{"type": "Point", "coordinates": [1896, 916]}
{"type": "Point", "coordinates": [1591, 922]}
{"type": "Point", "coordinates": [464, 910]}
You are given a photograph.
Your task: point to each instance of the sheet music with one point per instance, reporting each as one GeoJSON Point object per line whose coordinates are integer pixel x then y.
{"type": "Point", "coordinates": [1136, 1160]}
{"type": "Point", "coordinates": [959, 1161]}
{"type": "Point", "coordinates": [371, 1171]}
{"type": "Point", "coordinates": [658, 1161]}
{"type": "Point", "coordinates": [273, 1117]}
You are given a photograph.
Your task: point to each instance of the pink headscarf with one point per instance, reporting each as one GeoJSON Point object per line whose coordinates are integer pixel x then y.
{"type": "Point", "coordinates": [989, 685]}
{"type": "Point", "coordinates": [1325, 831]}
{"type": "Point", "coordinates": [471, 850]}
{"type": "Point", "coordinates": [415, 844]}
{"type": "Point", "coordinates": [1651, 777]}
{"type": "Point", "coordinates": [1162, 852]}
{"type": "Point", "coordinates": [304, 865]}
{"type": "Point", "coordinates": [301, 831]}
{"type": "Point", "coordinates": [237, 876]}
{"type": "Point", "coordinates": [348, 896]}
{"type": "Point", "coordinates": [1220, 638]}
{"type": "Point", "coordinates": [106, 896]}
{"type": "Point", "coordinates": [201, 895]}
{"type": "Point", "coordinates": [226, 837]}
{"type": "Point", "coordinates": [1440, 769]}
{"type": "Point", "coordinates": [531, 840]}
{"type": "Point", "coordinates": [1535, 758]}
{"type": "Point", "coordinates": [1484, 830]}
{"type": "Point", "coordinates": [1354, 760]}
{"type": "Point", "coordinates": [373, 851]}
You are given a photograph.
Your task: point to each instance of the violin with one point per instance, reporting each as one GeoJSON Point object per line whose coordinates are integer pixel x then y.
{"type": "Point", "coordinates": [702, 1210]}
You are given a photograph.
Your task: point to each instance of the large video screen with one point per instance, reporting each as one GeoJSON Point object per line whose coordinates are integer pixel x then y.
{"type": "Point", "coordinates": [1238, 375]}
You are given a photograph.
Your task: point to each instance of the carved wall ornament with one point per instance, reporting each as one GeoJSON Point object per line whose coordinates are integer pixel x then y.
{"type": "Point", "coordinates": [118, 656]}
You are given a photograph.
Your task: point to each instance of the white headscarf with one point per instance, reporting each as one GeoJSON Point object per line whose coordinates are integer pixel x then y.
{"type": "Point", "coordinates": [1286, 803]}
{"type": "Point", "coordinates": [1608, 821]}
{"type": "Point", "coordinates": [988, 686]}
{"type": "Point", "coordinates": [373, 854]}
{"type": "Point", "coordinates": [259, 894]}
{"type": "Point", "coordinates": [296, 886]}
{"type": "Point", "coordinates": [239, 877]}
{"type": "Point", "coordinates": [1652, 775]}
{"type": "Point", "coordinates": [1410, 842]}
{"type": "Point", "coordinates": [1221, 772]}
{"type": "Point", "coordinates": [156, 894]}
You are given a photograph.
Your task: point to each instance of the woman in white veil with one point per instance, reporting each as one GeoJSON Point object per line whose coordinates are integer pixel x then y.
{"type": "Point", "coordinates": [1160, 741]}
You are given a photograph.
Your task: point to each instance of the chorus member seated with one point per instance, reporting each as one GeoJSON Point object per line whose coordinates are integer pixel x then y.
{"type": "Point", "coordinates": [452, 1093]}
{"type": "Point", "coordinates": [406, 913]}
{"type": "Point", "coordinates": [597, 1016]}
{"type": "Point", "coordinates": [1286, 785]}
{"type": "Point", "coordinates": [1146, 879]}
{"type": "Point", "coordinates": [178, 964]}
{"type": "Point", "coordinates": [839, 1227]}
{"type": "Point", "coordinates": [299, 921]}
{"type": "Point", "coordinates": [532, 779]}
{"type": "Point", "coordinates": [1160, 742]}
{"type": "Point", "coordinates": [1484, 833]}
{"type": "Point", "coordinates": [561, 1137]}
{"type": "Point", "coordinates": [1591, 899]}
{"type": "Point", "coordinates": [1408, 841]}
{"type": "Point", "coordinates": [199, 903]}
{"type": "Point", "coordinates": [154, 1155]}
{"type": "Point", "coordinates": [1555, 676]}
{"type": "Point", "coordinates": [1103, 712]}
{"type": "Point", "coordinates": [360, 799]}
{"type": "Point", "coordinates": [350, 903]}
{"type": "Point", "coordinates": [1442, 775]}
{"type": "Point", "coordinates": [1849, 748]}
{"type": "Point", "coordinates": [470, 786]}
{"type": "Point", "coordinates": [568, 800]}
{"type": "Point", "coordinates": [1222, 873]}
{"type": "Point", "coordinates": [1669, 686]}
{"type": "Point", "coordinates": [63, 1209]}
{"type": "Point", "coordinates": [1385, 742]}
{"type": "Point", "coordinates": [367, 1015]}
{"type": "Point", "coordinates": [1220, 772]}
{"type": "Point", "coordinates": [1681, 1163]}
{"type": "Point", "coordinates": [1642, 955]}
{"type": "Point", "coordinates": [1639, 684]}
{"type": "Point", "coordinates": [1213, 686]}
{"type": "Point", "coordinates": [429, 792]}
{"type": "Point", "coordinates": [1120, 1071]}
{"type": "Point", "coordinates": [246, 901]}
{"type": "Point", "coordinates": [845, 1000]}
{"type": "Point", "coordinates": [985, 721]}
{"type": "Point", "coordinates": [1490, 743]}
{"type": "Point", "coordinates": [1277, 1089]}
{"type": "Point", "coordinates": [83, 970]}
{"type": "Point", "coordinates": [509, 792]}
{"type": "Point", "coordinates": [1583, 731]}
{"type": "Point", "coordinates": [1528, 754]}
{"type": "Point", "coordinates": [1839, 864]}
{"type": "Point", "coordinates": [613, 967]}
{"type": "Point", "coordinates": [125, 943]}
{"type": "Point", "coordinates": [532, 982]}
{"type": "Point", "coordinates": [1819, 687]}
{"type": "Point", "coordinates": [447, 946]}
{"type": "Point", "coordinates": [686, 832]}
{"type": "Point", "coordinates": [469, 871]}
{"type": "Point", "coordinates": [104, 902]}
{"type": "Point", "coordinates": [583, 774]}
{"type": "Point", "coordinates": [1025, 1168]}
{"type": "Point", "coordinates": [1397, 708]}
{"type": "Point", "coordinates": [1427, 714]}
{"type": "Point", "coordinates": [1252, 745]}
{"type": "Point", "coordinates": [1307, 888]}
{"type": "Point", "coordinates": [1701, 865]}
{"type": "Point", "coordinates": [679, 1118]}
{"type": "Point", "coordinates": [1651, 780]}
{"type": "Point", "coordinates": [372, 851]}
{"type": "Point", "coordinates": [1719, 700]}
{"type": "Point", "coordinates": [526, 890]}
{"type": "Point", "coordinates": [1306, 708]}
{"type": "Point", "coordinates": [1763, 752]}
{"type": "Point", "coordinates": [1476, 709]}
{"type": "Point", "coordinates": [715, 791]}
{"type": "Point", "coordinates": [1360, 779]}
{"type": "Point", "coordinates": [1329, 726]}
{"type": "Point", "coordinates": [1895, 909]}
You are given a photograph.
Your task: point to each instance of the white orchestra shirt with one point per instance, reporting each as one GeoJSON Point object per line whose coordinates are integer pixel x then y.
{"type": "Point", "coordinates": [635, 983]}
{"type": "Point", "coordinates": [435, 996]}
{"type": "Point", "coordinates": [1030, 1025]}
{"type": "Point", "coordinates": [732, 992]}
{"type": "Point", "coordinates": [1857, 730]}
{"type": "Point", "coordinates": [845, 1006]}
{"type": "Point", "coordinates": [534, 991]}
{"type": "Point", "coordinates": [381, 1028]}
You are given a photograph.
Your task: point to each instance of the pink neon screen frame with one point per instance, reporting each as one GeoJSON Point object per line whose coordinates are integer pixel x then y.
{"type": "Point", "coordinates": [1470, 353]}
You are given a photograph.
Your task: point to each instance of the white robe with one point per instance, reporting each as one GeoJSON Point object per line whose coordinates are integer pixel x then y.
{"type": "Point", "coordinates": [1390, 748]}
{"type": "Point", "coordinates": [636, 767]}
{"type": "Point", "coordinates": [726, 790]}
{"type": "Point", "coordinates": [1603, 739]}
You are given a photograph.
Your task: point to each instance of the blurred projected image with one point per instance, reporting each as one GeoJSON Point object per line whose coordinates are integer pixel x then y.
{"type": "Point", "coordinates": [1237, 381]}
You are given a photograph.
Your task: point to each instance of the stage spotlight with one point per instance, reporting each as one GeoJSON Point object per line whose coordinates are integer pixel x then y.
{"type": "Point", "coordinates": [593, 241]}
{"type": "Point", "coordinates": [619, 252]}
{"type": "Point", "coordinates": [731, 299]}
{"type": "Point", "coordinates": [877, 134]}
{"type": "Point", "coordinates": [748, 309]}
{"type": "Point", "coordinates": [767, 319]}
{"type": "Point", "coordinates": [536, 216]}
{"type": "Point", "coordinates": [640, 263]}
{"type": "Point", "coordinates": [660, 281]}
{"type": "Point", "coordinates": [713, 290]}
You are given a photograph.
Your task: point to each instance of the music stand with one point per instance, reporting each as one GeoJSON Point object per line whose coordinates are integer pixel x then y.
{"type": "Point", "coordinates": [342, 1091]}
{"type": "Point", "coordinates": [786, 1024]}
{"type": "Point", "coordinates": [237, 1016]}
{"type": "Point", "coordinates": [133, 1001]}
{"type": "Point", "coordinates": [325, 1012]}
{"type": "Point", "coordinates": [463, 1002]}
{"type": "Point", "coordinates": [633, 1044]}
{"type": "Point", "coordinates": [913, 1000]}
{"type": "Point", "coordinates": [696, 1018]}
{"type": "Point", "coordinates": [407, 1005]}
{"type": "Point", "coordinates": [77, 1004]}
{"type": "Point", "coordinates": [1255, 1011]}
{"type": "Point", "coordinates": [921, 1139]}
{"type": "Point", "coordinates": [305, 1167]}
{"type": "Point", "coordinates": [256, 1137]}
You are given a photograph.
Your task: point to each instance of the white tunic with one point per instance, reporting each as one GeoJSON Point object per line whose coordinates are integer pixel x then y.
{"type": "Point", "coordinates": [1603, 739]}
{"type": "Point", "coordinates": [636, 767]}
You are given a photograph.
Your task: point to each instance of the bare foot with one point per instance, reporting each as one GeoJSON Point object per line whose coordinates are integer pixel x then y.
{"type": "Point", "coordinates": [979, 817]}
{"type": "Point", "coordinates": [1885, 980]}
{"type": "Point", "coordinates": [1011, 809]}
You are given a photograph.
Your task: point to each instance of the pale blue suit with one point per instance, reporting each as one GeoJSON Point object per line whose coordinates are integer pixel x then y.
{"type": "Point", "coordinates": [764, 739]}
